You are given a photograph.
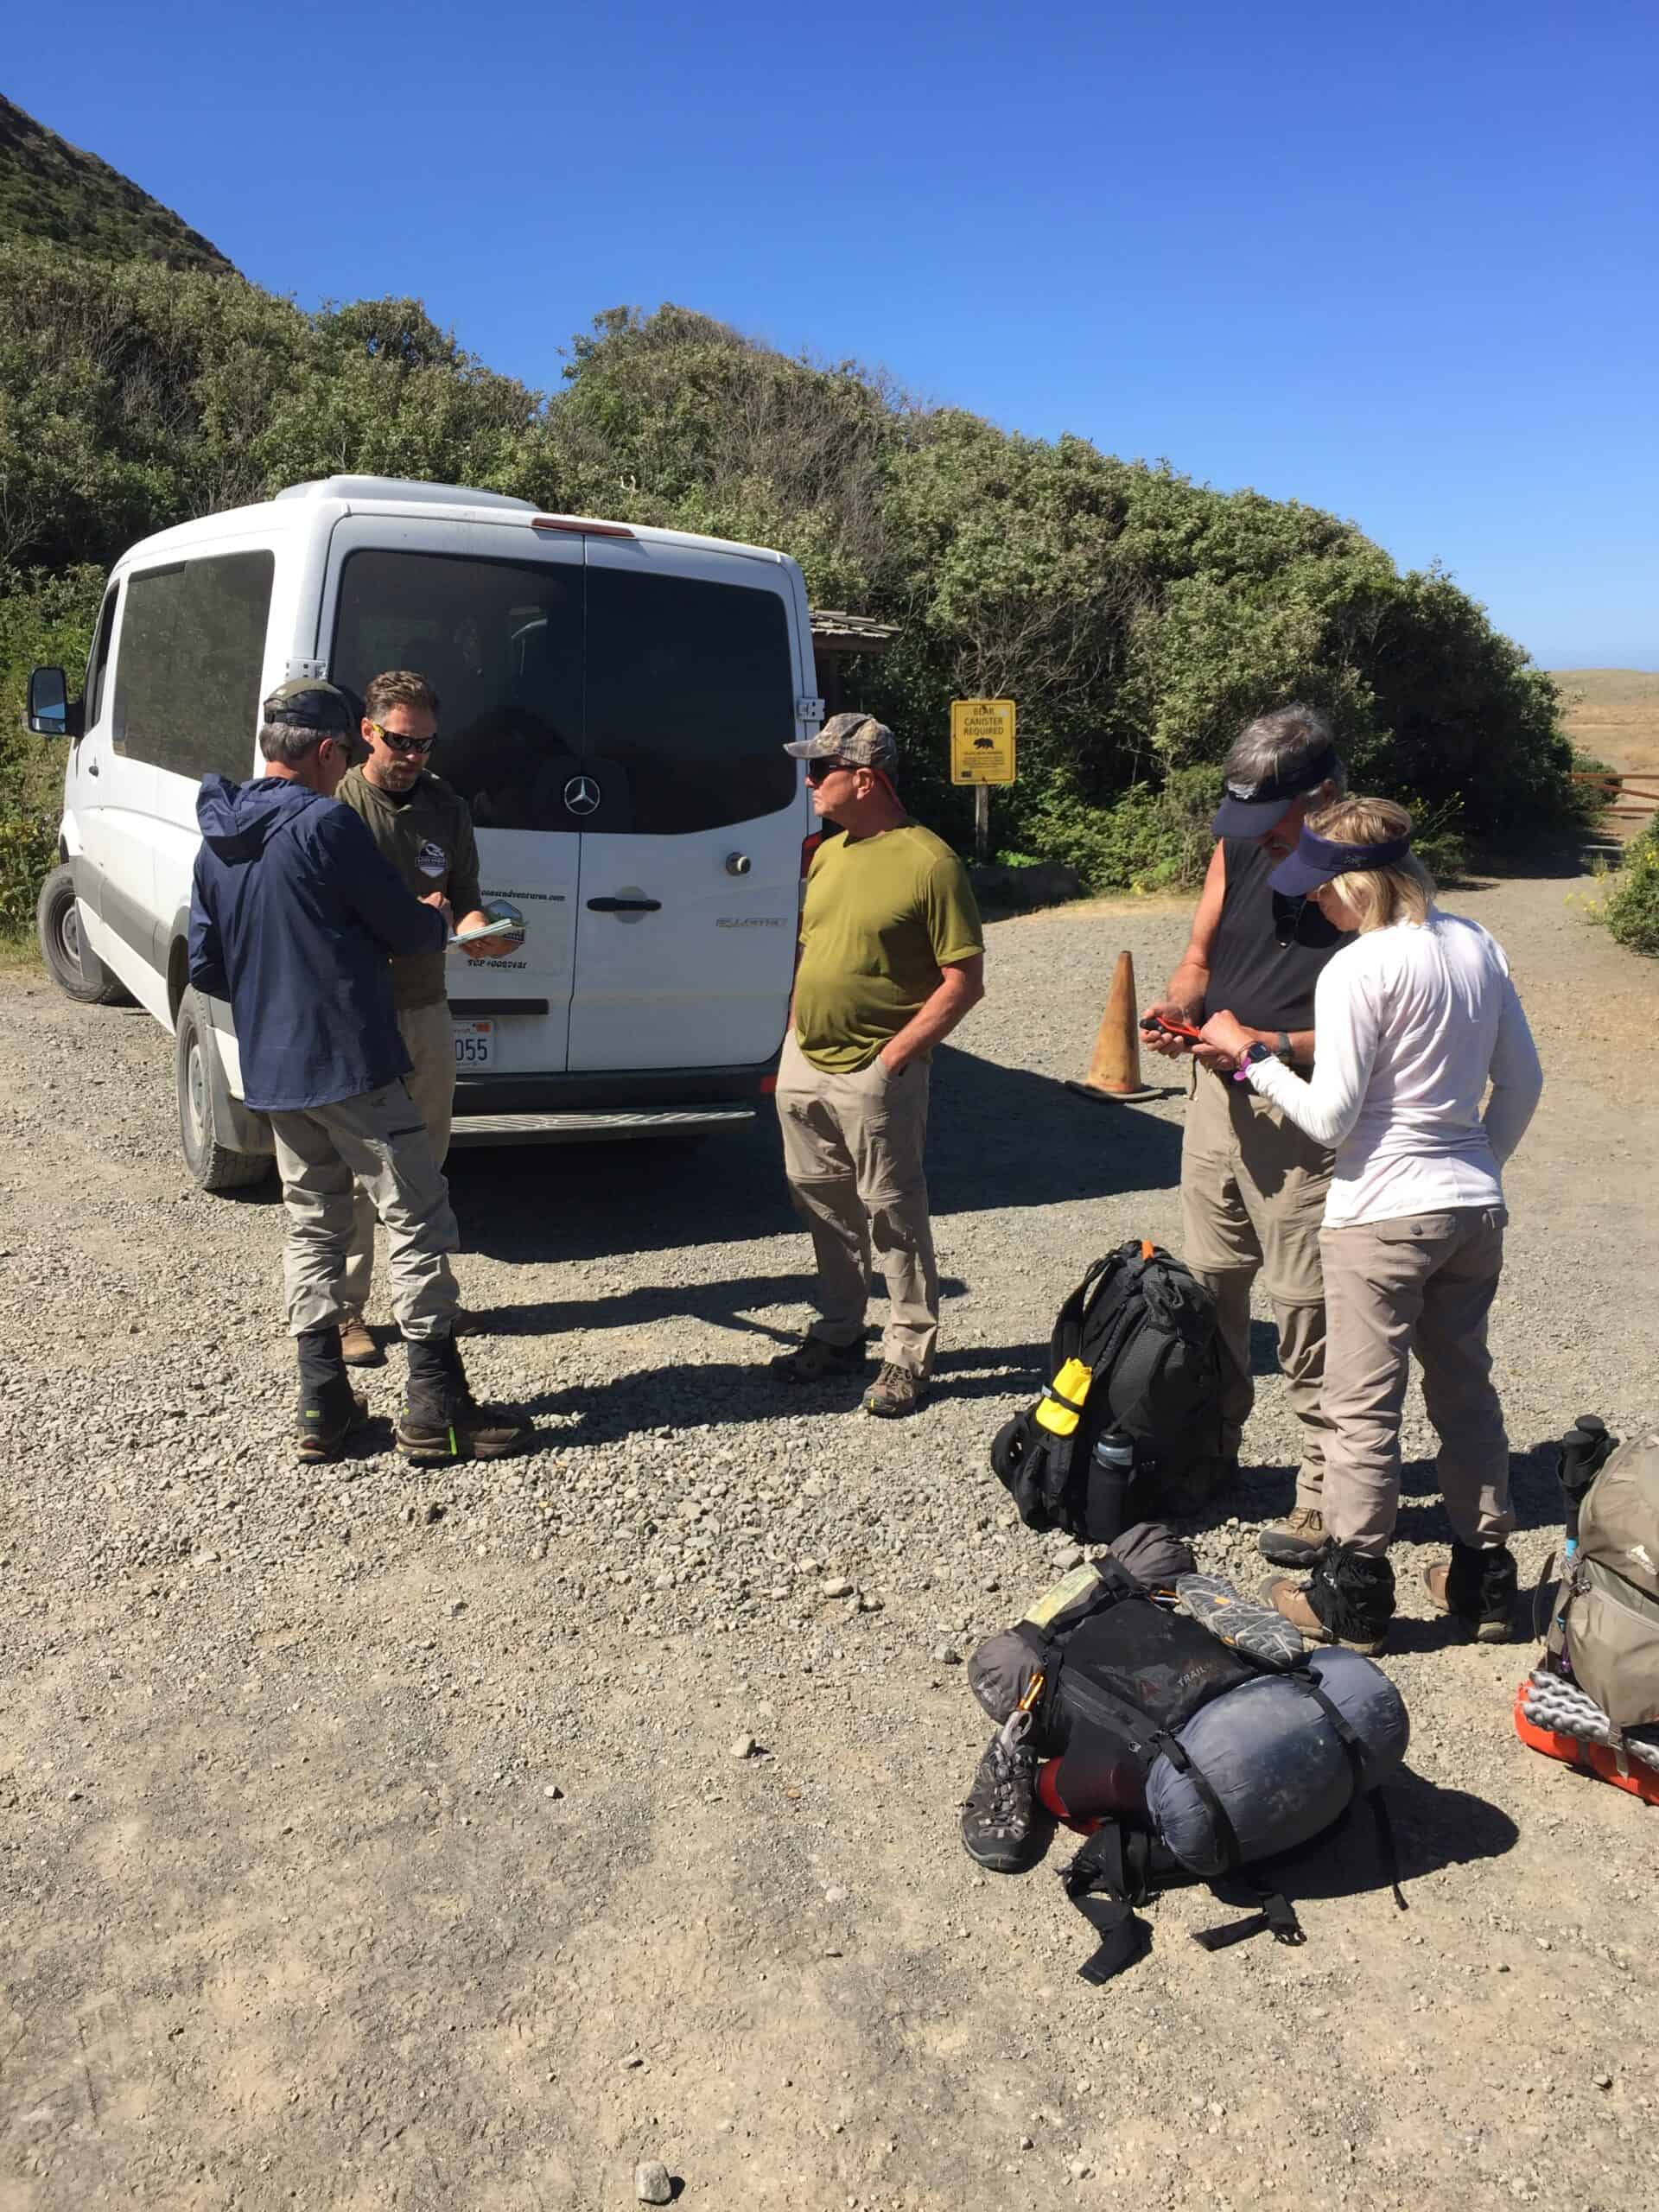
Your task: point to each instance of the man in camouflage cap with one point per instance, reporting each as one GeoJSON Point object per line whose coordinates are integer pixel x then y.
{"type": "Point", "coordinates": [892, 956]}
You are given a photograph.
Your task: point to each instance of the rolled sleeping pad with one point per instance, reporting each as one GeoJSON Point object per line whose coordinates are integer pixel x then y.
{"type": "Point", "coordinates": [1275, 1762]}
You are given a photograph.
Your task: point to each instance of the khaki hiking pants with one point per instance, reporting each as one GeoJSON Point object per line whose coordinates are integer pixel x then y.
{"type": "Point", "coordinates": [1421, 1284]}
{"type": "Point", "coordinates": [1252, 1189]}
{"type": "Point", "coordinates": [379, 1140]}
{"type": "Point", "coordinates": [853, 1147]}
{"type": "Point", "coordinates": [429, 1036]}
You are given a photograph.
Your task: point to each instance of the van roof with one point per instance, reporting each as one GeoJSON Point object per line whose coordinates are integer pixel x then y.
{"type": "Point", "coordinates": [405, 490]}
{"type": "Point", "coordinates": [288, 510]}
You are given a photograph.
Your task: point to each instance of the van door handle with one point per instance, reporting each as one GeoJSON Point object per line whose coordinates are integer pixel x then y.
{"type": "Point", "coordinates": [625, 906]}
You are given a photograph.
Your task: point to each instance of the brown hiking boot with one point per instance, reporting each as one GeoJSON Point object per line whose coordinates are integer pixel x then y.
{"type": "Point", "coordinates": [356, 1347]}
{"type": "Point", "coordinates": [1478, 1589]}
{"type": "Point", "coordinates": [327, 1417]}
{"type": "Point", "coordinates": [894, 1392]}
{"type": "Point", "coordinates": [442, 1420]}
{"type": "Point", "coordinates": [813, 1361]}
{"type": "Point", "coordinates": [1355, 1594]}
{"type": "Point", "coordinates": [1297, 1541]}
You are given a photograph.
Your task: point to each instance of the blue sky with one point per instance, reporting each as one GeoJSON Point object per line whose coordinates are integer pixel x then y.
{"type": "Point", "coordinates": [1397, 261]}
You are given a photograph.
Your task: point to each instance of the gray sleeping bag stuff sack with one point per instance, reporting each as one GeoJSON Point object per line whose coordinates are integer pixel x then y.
{"type": "Point", "coordinates": [1181, 1727]}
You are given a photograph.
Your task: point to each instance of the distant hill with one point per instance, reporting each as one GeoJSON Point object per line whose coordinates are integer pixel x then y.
{"type": "Point", "coordinates": [49, 189]}
{"type": "Point", "coordinates": [1613, 713]}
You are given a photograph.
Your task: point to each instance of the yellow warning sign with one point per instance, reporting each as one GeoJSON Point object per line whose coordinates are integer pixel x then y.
{"type": "Point", "coordinates": [982, 740]}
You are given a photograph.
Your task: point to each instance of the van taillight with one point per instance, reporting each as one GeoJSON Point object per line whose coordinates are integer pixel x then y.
{"type": "Point", "coordinates": [579, 529]}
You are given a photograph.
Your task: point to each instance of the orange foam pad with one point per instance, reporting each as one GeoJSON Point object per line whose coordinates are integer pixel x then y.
{"type": "Point", "coordinates": [1597, 1759]}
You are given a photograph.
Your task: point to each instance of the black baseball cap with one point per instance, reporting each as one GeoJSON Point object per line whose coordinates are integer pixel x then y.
{"type": "Point", "coordinates": [1251, 810]}
{"type": "Point", "coordinates": [312, 705]}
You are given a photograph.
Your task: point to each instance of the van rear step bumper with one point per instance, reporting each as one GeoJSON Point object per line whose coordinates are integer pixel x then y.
{"type": "Point", "coordinates": [580, 1128]}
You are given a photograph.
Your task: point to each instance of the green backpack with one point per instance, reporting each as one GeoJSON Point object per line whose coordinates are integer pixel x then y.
{"type": "Point", "coordinates": [1606, 1629]}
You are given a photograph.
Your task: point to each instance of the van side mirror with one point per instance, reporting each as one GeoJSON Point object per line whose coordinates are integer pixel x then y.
{"type": "Point", "coordinates": [51, 713]}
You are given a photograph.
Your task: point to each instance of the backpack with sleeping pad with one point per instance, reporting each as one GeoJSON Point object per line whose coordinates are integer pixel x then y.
{"type": "Point", "coordinates": [1133, 1365]}
{"type": "Point", "coordinates": [1185, 1732]}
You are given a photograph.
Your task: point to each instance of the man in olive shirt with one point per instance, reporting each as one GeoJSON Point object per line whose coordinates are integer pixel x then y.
{"type": "Point", "coordinates": [424, 829]}
{"type": "Point", "coordinates": [892, 956]}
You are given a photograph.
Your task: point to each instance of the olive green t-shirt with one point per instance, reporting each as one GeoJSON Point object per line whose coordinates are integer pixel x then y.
{"type": "Point", "coordinates": [427, 835]}
{"type": "Point", "coordinates": [882, 916]}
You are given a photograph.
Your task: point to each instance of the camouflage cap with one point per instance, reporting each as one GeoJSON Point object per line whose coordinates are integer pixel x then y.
{"type": "Point", "coordinates": [311, 704]}
{"type": "Point", "coordinates": [859, 740]}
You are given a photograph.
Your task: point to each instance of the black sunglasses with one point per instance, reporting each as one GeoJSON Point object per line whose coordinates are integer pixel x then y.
{"type": "Point", "coordinates": [399, 743]}
{"type": "Point", "coordinates": [818, 770]}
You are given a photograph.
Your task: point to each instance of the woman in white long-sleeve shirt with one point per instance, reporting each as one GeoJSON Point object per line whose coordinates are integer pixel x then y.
{"type": "Point", "coordinates": [1414, 1020]}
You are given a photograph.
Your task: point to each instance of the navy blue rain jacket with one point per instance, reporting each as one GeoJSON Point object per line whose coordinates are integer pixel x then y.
{"type": "Point", "coordinates": [293, 914]}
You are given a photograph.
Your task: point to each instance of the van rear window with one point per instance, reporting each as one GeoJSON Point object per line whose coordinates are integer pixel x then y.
{"type": "Point", "coordinates": [671, 695]}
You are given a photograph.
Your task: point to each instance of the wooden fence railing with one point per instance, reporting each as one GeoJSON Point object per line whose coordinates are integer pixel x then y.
{"type": "Point", "coordinates": [1629, 799]}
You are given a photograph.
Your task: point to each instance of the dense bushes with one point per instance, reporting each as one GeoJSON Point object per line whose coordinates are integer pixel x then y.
{"type": "Point", "coordinates": [1630, 909]}
{"type": "Point", "coordinates": [1138, 619]}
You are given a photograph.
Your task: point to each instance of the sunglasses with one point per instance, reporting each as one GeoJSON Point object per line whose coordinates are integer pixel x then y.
{"type": "Point", "coordinates": [399, 743]}
{"type": "Point", "coordinates": [816, 771]}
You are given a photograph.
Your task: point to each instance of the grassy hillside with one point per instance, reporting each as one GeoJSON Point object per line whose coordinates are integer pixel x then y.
{"type": "Point", "coordinates": [1613, 713]}
{"type": "Point", "coordinates": [49, 189]}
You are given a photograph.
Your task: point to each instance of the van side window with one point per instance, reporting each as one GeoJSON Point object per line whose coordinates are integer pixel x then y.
{"type": "Point", "coordinates": [97, 660]}
{"type": "Point", "coordinates": [690, 693]}
{"type": "Point", "coordinates": [192, 651]}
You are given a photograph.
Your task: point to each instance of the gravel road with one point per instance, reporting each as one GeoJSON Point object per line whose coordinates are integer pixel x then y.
{"type": "Point", "coordinates": [371, 1839]}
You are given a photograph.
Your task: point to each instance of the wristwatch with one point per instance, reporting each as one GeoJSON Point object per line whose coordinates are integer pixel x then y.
{"type": "Point", "coordinates": [1253, 1054]}
{"type": "Point", "coordinates": [1282, 1046]}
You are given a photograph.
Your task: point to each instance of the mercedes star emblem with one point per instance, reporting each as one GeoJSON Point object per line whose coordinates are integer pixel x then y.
{"type": "Point", "coordinates": [581, 795]}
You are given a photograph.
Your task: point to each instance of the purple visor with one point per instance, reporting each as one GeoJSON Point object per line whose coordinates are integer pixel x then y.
{"type": "Point", "coordinates": [1318, 859]}
{"type": "Point", "coordinates": [1251, 810]}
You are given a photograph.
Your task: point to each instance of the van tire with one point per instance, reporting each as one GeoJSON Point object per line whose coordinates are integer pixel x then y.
{"type": "Point", "coordinates": [214, 1166]}
{"type": "Point", "coordinates": [70, 961]}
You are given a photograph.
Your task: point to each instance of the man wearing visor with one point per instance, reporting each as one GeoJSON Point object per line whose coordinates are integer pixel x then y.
{"type": "Point", "coordinates": [1253, 1186]}
{"type": "Point", "coordinates": [892, 956]}
{"type": "Point", "coordinates": [423, 828]}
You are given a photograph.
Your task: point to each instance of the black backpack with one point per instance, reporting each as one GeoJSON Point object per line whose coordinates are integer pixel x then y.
{"type": "Point", "coordinates": [1134, 1350]}
{"type": "Point", "coordinates": [1163, 1745]}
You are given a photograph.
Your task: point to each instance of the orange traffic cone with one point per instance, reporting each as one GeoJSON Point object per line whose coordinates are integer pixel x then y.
{"type": "Point", "coordinates": [1114, 1064]}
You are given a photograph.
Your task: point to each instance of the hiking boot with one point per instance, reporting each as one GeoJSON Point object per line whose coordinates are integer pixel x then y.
{"type": "Point", "coordinates": [329, 1408]}
{"type": "Point", "coordinates": [894, 1392]}
{"type": "Point", "coordinates": [1297, 1541]}
{"type": "Point", "coordinates": [1347, 1600]}
{"type": "Point", "coordinates": [813, 1361]}
{"type": "Point", "coordinates": [1001, 1828]}
{"type": "Point", "coordinates": [442, 1420]}
{"type": "Point", "coordinates": [357, 1346]}
{"type": "Point", "coordinates": [1478, 1588]}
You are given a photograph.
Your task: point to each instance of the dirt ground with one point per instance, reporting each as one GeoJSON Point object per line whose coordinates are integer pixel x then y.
{"type": "Point", "coordinates": [369, 1840]}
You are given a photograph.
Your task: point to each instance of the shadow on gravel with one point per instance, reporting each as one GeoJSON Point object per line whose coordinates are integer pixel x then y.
{"type": "Point", "coordinates": [690, 1395]}
{"type": "Point", "coordinates": [1433, 1828]}
{"type": "Point", "coordinates": [998, 1137]}
{"type": "Point", "coordinates": [1535, 1495]}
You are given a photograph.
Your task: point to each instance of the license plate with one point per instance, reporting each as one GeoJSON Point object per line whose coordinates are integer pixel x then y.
{"type": "Point", "coordinates": [474, 1046]}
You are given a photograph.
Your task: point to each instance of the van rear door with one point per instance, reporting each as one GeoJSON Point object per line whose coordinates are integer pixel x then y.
{"type": "Point", "coordinates": [490, 614]}
{"type": "Point", "coordinates": [688, 900]}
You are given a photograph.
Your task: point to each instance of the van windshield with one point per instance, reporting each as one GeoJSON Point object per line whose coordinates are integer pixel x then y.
{"type": "Point", "coordinates": [673, 695]}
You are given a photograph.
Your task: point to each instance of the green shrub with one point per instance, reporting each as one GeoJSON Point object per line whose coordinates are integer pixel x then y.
{"type": "Point", "coordinates": [1630, 909]}
{"type": "Point", "coordinates": [29, 849]}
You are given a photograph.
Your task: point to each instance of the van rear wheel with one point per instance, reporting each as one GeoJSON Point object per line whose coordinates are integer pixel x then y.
{"type": "Point", "coordinates": [214, 1166]}
{"type": "Point", "coordinates": [70, 961]}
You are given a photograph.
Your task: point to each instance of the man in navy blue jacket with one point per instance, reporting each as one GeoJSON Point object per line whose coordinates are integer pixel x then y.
{"type": "Point", "coordinates": [294, 915]}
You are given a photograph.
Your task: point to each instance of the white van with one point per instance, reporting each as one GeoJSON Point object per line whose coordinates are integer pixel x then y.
{"type": "Point", "coordinates": [614, 704]}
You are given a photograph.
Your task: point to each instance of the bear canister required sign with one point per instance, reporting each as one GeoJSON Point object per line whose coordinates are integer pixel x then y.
{"type": "Point", "coordinates": [982, 740]}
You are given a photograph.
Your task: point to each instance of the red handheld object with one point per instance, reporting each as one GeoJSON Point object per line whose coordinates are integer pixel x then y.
{"type": "Point", "coordinates": [1173, 1028]}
